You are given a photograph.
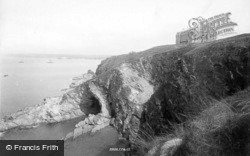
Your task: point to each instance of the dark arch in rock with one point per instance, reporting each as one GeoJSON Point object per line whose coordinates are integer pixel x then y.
{"type": "Point", "coordinates": [90, 105]}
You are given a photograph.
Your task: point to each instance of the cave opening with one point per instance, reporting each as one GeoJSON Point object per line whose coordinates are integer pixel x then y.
{"type": "Point", "coordinates": [90, 105]}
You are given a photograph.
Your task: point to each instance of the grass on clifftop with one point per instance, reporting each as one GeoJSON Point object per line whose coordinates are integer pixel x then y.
{"type": "Point", "coordinates": [223, 129]}
{"type": "Point", "coordinates": [115, 61]}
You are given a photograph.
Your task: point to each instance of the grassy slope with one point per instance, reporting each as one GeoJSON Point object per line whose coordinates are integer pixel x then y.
{"type": "Point", "coordinates": [210, 111]}
{"type": "Point", "coordinates": [223, 129]}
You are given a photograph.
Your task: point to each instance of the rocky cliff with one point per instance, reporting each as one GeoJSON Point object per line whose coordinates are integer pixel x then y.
{"type": "Point", "coordinates": [143, 94]}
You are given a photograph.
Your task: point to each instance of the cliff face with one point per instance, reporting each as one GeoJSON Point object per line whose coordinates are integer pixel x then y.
{"type": "Point", "coordinates": [143, 93]}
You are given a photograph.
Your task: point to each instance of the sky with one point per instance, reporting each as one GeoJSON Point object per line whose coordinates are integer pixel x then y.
{"type": "Point", "coordinates": [104, 27]}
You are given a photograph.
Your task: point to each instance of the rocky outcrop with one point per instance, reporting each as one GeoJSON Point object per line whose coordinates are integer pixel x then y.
{"type": "Point", "coordinates": [50, 111]}
{"type": "Point", "coordinates": [91, 124]}
{"type": "Point", "coordinates": [144, 92]}
{"type": "Point", "coordinates": [76, 81]}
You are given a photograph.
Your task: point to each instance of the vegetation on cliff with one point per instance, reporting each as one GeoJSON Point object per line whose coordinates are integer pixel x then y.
{"type": "Point", "coordinates": [222, 129]}
{"type": "Point", "coordinates": [175, 100]}
{"type": "Point", "coordinates": [194, 83]}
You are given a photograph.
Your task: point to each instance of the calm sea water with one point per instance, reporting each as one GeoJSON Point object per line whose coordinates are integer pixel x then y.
{"type": "Point", "coordinates": [27, 81]}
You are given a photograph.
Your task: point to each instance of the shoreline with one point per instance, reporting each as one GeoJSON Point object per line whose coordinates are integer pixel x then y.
{"type": "Point", "coordinates": [54, 110]}
{"type": "Point", "coordinates": [50, 111]}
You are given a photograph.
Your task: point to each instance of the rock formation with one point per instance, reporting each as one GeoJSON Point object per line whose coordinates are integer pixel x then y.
{"type": "Point", "coordinates": [142, 92]}
{"type": "Point", "coordinates": [50, 111]}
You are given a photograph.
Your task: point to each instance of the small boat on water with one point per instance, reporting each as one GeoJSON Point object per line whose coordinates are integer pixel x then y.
{"type": "Point", "coordinates": [50, 61]}
{"type": "Point", "coordinates": [5, 75]}
{"type": "Point", "coordinates": [20, 61]}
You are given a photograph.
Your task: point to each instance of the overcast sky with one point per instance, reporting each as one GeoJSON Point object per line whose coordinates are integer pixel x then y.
{"type": "Point", "coordinates": [104, 26]}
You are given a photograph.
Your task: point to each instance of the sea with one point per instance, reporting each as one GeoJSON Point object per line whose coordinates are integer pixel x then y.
{"type": "Point", "coordinates": [27, 79]}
